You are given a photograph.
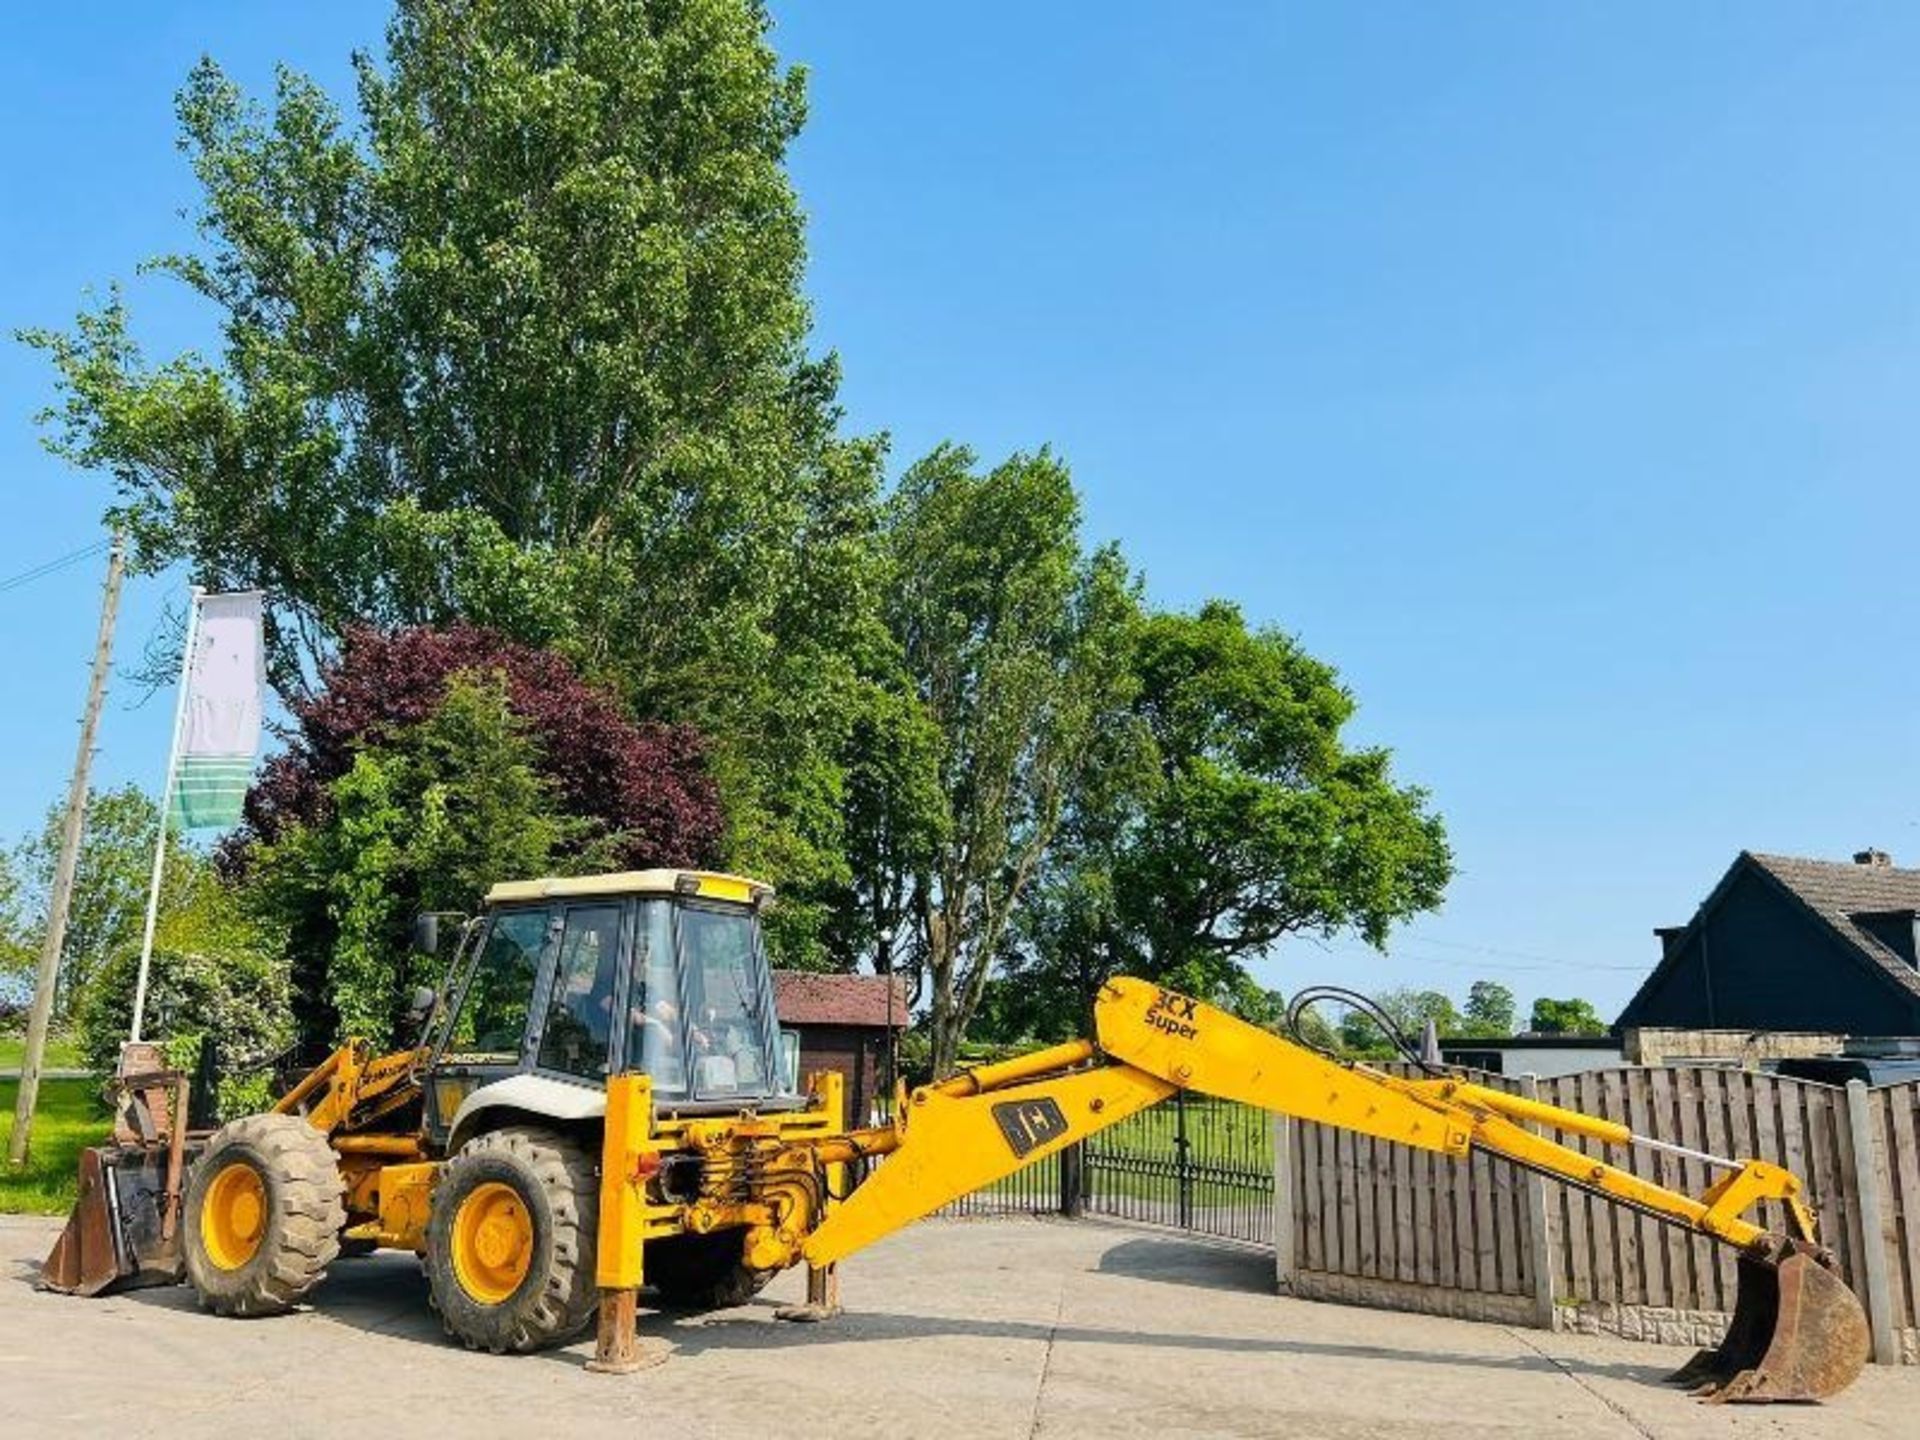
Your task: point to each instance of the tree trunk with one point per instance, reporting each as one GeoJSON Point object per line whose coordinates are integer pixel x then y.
{"type": "Point", "coordinates": [944, 1022]}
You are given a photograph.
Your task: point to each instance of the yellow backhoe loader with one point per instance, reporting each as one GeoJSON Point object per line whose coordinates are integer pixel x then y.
{"type": "Point", "coordinates": [599, 1108]}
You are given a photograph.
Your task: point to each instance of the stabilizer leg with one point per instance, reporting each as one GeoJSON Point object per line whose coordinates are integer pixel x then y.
{"type": "Point", "coordinates": [618, 1348]}
{"type": "Point", "coordinates": [823, 1297]}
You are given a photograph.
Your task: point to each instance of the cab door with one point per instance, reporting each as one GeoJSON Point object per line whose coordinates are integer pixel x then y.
{"type": "Point", "coordinates": [487, 1033]}
{"type": "Point", "coordinates": [574, 1037]}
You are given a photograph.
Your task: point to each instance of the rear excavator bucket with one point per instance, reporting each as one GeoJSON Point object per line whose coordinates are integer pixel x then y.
{"type": "Point", "coordinates": [1798, 1333]}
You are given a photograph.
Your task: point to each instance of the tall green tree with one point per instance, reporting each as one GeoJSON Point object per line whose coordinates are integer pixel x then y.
{"type": "Point", "coordinates": [895, 819]}
{"type": "Point", "coordinates": [1015, 641]}
{"type": "Point", "coordinates": [1233, 815]}
{"type": "Point", "coordinates": [109, 902]}
{"type": "Point", "coordinates": [522, 342]}
{"type": "Point", "coordinates": [1263, 821]}
{"type": "Point", "coordinates": [1409, 1010]}
{"type": "Point", "coordinates": [1490, 1009]}
{"type": "Point", "coordinates": [426, 820]}
{"type": "Point", "coordinates": [1565, 1017]}
{"type": "Point", "coordinates": [17, 956]}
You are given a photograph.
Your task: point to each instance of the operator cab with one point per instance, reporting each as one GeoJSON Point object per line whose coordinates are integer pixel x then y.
{"type": "Point", "coordinates": [571, 980]}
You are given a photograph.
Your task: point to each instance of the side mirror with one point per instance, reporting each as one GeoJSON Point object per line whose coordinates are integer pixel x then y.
{"type": "Point", "coordinates": [426, 933]}
{"type": "Point", "coordinates": [419, 1013]}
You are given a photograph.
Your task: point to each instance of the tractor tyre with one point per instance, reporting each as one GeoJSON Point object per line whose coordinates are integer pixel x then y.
{"type": "Point", "coordinates": [511, 1240]}
{"type": "Point", "coordinates": [703, 1272]}
{"type": "Point", "coordinates": [263, 1210]}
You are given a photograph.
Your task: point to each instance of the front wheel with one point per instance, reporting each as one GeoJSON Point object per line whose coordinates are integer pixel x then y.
{"type": "Point", "coordinates": [511, 1240]}
{"type": "Point", "coordinates": [264, 1207]}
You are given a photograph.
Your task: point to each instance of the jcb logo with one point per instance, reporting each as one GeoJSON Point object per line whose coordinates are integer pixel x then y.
{"type": "Point", "coordinates": [1029, 1124]}
{"type": "Point", "coordinates": [1173, 1014]}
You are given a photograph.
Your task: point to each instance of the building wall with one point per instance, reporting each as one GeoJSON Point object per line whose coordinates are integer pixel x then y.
{"type": "Point", "coordinates": [856, 1051]}
{"type": "Point", "coordinates": [1542, 1061]}
{"type": "Point", "coordinates": [1760, 962]}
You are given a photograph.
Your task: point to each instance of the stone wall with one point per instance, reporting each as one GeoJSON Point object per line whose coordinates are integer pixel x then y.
{"type": "Point", "coordinates": [1652, 1046]}
{"type": "Point", "coordinates": [1656, 1323]}
{"type": "Point", "coordinates": [1404, 1295]}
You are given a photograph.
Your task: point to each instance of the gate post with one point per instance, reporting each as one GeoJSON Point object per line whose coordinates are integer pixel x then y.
{"type": "Point", "coordinates": [1533, 1191]}
{"type": "Point", "coordinates": [1182, 1159]}
{"type": "Point", "coordinates": [1073, 1161]}
{"type": "Point", "coordinates": [1865, 1179]}
{"type": "Point", "coordinates": [1283, 1204]}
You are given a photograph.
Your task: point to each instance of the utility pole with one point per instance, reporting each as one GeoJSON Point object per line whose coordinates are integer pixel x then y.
{"type": "Point", "coordinates": [62, 896]}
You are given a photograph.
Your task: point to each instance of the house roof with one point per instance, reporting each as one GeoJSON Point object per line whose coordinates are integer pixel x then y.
{"type": "Point", "coordinates": [1837, 892]}
{"type": "Point", "coordinates": [803, 998]}
{"type": "Point", "coordinates": [1834, 892]}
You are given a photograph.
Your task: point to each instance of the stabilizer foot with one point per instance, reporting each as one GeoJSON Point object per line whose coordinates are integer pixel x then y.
{"type": "Point", "coordinates": [618, 1348]}
{"type": "Point", "coordinates": [806, 1314]}
{"type": "Point", "coordinates": [823, 1298]}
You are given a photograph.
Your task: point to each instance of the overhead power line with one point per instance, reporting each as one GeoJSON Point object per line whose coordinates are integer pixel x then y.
{"type": "Point", "coordinates": [1400, 949]}
{"type": "Point", "coordinates": [85, 552]}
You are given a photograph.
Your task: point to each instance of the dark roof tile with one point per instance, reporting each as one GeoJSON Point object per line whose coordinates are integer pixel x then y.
{"type": "Point", "coordinates": [1837, 891]}
{"type": "Point", "coordinates": [803, 998]}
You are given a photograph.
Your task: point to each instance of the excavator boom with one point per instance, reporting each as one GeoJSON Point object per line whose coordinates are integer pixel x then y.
{"type": "Point", "coordinates": [1799, 1333]}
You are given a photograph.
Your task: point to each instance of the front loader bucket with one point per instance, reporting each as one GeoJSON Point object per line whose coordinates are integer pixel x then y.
{"type": "Point", "coordinates": [117, 1233]}
{"type": "Point", "coordinates": [1798, 1333]}
{"type": "Point", "coordinates": [85, 1259]}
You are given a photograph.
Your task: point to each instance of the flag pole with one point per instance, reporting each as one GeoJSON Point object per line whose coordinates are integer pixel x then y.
{"type": "Point", "coordinates": [166, 807]}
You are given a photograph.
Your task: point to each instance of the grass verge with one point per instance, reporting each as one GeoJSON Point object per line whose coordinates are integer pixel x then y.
{"type": "Point", "coordinates": [68, 1119]}
{"type": "Point", "coordinates": [61, 1054]}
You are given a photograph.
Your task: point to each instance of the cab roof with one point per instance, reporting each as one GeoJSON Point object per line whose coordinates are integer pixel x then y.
{"type": "Point", "coordinates": [706, 884]}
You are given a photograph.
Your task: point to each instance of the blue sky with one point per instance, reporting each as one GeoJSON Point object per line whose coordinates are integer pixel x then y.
{"type": "Point", "coordinates": [1550, 369]}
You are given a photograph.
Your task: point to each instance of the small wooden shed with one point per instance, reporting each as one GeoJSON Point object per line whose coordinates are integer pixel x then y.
{"type": "Point", "coordinates": [843, 1022]}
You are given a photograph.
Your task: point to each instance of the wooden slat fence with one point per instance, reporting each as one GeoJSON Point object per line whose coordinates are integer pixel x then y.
{"type": "Point", "coordinates": [1379, 1223]}
{"type": "Point", "coordinates": [1894, 1111]}
{"type": "Point", "coordinates": [1610, 1255]}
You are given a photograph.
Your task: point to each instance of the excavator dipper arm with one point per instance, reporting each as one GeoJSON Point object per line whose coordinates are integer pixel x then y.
{"type": "Point", "coordinates": [965, 1132]}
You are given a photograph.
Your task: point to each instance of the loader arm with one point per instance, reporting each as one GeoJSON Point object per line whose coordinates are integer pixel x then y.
{"type": "Point", "coordinates": [1798, 1332]}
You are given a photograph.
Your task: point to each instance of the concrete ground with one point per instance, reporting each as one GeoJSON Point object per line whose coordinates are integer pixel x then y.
{"type": "Point", "coordinates": [979, 1329]}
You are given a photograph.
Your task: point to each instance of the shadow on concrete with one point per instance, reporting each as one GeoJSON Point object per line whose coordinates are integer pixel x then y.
{"type": "Point", "coordinates": [387, 1295]}
{"type": "Point", "coordinates": [734, 1330]}
{"type": "Point", "coordinates": [1196, 1263]}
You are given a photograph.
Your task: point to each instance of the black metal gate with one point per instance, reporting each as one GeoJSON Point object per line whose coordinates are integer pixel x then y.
{"type": "Point", "coordinates": [1189, 1163]}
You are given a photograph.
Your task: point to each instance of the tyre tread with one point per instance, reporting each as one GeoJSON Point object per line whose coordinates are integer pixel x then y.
{"type": "Point", "coordinates": [300, 1160]}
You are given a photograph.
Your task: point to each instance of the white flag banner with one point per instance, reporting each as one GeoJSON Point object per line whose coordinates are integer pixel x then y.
{"type": "Point", "coordinates": [220, 722]}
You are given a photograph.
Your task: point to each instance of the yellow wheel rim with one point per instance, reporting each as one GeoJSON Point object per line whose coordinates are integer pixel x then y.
{"type": "Point", "coordinates": [492, 1243]}
{"type": "Point", "coordinates": [234, 1216]}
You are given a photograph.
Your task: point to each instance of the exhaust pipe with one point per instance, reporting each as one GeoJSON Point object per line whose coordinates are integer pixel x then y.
{"type": "Point", "coordinates": [1798, 1333]}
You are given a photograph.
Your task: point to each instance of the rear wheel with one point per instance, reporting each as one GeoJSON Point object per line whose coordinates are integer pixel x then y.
{"type": "Point", "coordinates": [703, 1272]}
{"type": "Point", "coordinates": [263, 1206]}
{"type": "Point", "coordinates": [511, 1240]}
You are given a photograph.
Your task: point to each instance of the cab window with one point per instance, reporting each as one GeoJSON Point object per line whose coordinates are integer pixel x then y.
{"type": "Point", "coordinates": [579, 1019]}
{"type": "Point", "coordinates": [655, 1041]}
{"type": "Point", "coordinates": [493, 1008]}
{"type": "Point", "coordinates": [726, 1029]}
